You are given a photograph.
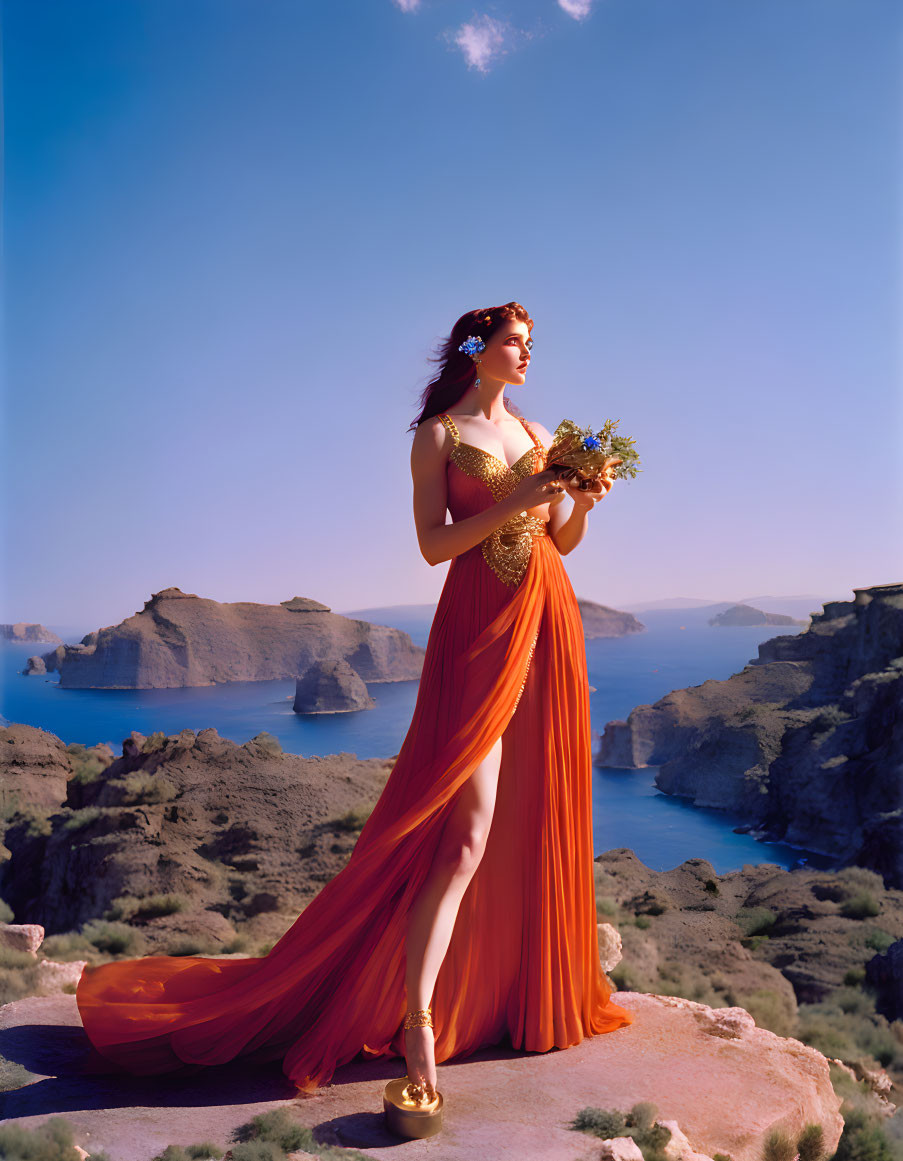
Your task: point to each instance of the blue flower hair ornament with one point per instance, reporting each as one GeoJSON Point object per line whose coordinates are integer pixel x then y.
{"type": "Point", "coordinates": [472, 345]}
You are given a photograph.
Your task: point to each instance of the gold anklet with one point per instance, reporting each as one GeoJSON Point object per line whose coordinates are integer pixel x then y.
{"type": "Point", "coordinates": [413, 1107]}
{"type": "Point", "coordinates": [419, 1018]}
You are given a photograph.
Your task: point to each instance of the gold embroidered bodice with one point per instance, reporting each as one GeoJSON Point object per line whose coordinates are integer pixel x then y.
{"type": "Point", "coordinates": [506, 550]}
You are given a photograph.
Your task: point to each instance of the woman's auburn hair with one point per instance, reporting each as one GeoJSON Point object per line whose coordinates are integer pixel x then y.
{"type": "Point", "coordinates": [457, 371]}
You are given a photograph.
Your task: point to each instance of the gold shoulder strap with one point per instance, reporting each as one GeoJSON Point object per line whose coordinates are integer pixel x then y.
{"type": "Point", "coordinates": [450, 424]}
{"type": "Point", "coordinates": [532, 434]}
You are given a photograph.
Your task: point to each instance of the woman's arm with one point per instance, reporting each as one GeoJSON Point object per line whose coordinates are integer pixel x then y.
{"type": "Point", "coordinates": [567, 528]}
{"type": "Point", "coordinates": [439, 541]}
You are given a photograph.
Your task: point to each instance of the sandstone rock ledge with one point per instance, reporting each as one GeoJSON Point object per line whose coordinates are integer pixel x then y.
{"type": "Point", "coordinates": [724, 1081]}
{"type": "Point", "coordinates": [29, 631]}
{"type": "Point", "coordinates": [804, 743]}
{"type": "Point", "coordinates": [180, 639]}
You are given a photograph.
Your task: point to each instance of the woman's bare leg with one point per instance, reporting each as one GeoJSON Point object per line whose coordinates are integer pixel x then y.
{"type": "Point", "coordinates": [432, 917]}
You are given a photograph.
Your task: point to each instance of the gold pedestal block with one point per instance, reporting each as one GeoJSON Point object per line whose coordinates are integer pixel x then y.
{"type": "Point", "coordinates": [409, 1118]}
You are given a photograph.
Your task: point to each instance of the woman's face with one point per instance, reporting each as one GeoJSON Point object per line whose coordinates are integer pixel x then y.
{"type": "Point", "coordinates": [507, 353]}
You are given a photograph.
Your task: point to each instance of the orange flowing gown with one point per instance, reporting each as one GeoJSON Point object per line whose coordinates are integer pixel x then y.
{"type": "Point", "coordinates": [505, 656]}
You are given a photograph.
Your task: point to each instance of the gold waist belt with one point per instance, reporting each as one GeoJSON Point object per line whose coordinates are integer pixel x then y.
{"type": "Point", "coordinates": [507, 550]}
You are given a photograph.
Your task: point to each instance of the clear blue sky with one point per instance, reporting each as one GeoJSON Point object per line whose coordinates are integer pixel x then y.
{"type": "Point", "coordinates": [233, 231]}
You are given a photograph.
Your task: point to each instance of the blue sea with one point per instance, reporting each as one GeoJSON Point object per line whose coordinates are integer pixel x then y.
{"type": "Point", "coordinates": [678, 649]}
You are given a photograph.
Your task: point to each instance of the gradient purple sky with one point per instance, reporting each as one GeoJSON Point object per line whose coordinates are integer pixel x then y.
{"type": "Point", "coordinates": [233, 232]}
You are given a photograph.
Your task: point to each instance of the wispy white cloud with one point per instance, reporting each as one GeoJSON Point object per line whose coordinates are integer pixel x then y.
{"type": "Point", "coordinates": [408, 5]}
{"type": "Point", "coordinates": [482, 41]}
{"type": "Point", "coordinates": [579, 9]}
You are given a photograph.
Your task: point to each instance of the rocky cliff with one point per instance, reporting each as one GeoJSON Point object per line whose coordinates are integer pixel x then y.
{"type": "Point", "coordinates": [331, 687]}
{"type": "Point", "coordinates": [185, 838]}
{"type": "Point", "coordinates": [719, 1084]}
{"type": "Point", "coordinates": [35, 768]}
{"type": "Point", "coordinates": [602, 621]}
{"type": "Point", "coordinates": [192, 835]}
{"type": "Point", "coordinates": [805, 743]}
{"type": "Point", "coordinates": [749, 615]}
{"type": "Point", "coordinates": [179, 639]}
{"type": "Point", "coordinates": [28, 631]}
{"type": "Point", "coordinates": [191, 844]}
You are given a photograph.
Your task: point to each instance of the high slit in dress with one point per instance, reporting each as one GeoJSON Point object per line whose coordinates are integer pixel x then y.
{"type": "Point", "coordinates": [505, 656]}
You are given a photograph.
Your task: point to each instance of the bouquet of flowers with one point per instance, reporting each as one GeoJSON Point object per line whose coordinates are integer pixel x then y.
{"type": "Point", "coordinates": [581, 453]}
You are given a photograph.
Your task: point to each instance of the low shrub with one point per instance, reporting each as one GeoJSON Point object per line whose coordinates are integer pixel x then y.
{"type": "Point", "coordinates": [130, 907]}
{"type": "Point", "coordinates": [203, 1152]}
{"type": "Point", "coordinates": [855, 879]}
{"type": "Point", "coordinates": [113, 938]}
{"type": "Point", "coordinates": [11, 957]}
{"type": "Point", "coordinates": [352, 820]}
{"type": "Point", "coordinates": [50, 1141]}
{"type": "Point", "coordinates": [672, 971]}
{"type": "Point", "coordinates": [772, 1010]}
{"type": "Point", "coordinates": [604, 1123]}
{"type": "Point", "coordinates": [755, 920]}
{"type": "Point", "coordinates": [879, 940]}
{"type": "Point", "coordinates": [639, 1123]}
{"type": "Point", "coordinates": [269, 742]}
{"type": "Point", "coordinates": [144, 789]}
{"type": "Point", "coordinates": [188, 945]}
{"type": "Point", "coordinates": [269, 1136]}
{"type": "Point", "coordinates": [67, 947]}
{"type": "Point", "coordinates": [78, 819]}
{"type": "Point", "coordinates": [33, 821]}
{"type": "Point", "coordinates": [846, 1026]}
{"type": "Point", "coordinates": [825, 723]}
{"type": "Point", "coordinates": [86, 766]}
{"type": "Point", "coordinates": [862, 1139]}
{"type": "Point", "coordinates": [831, 715]}
{"type": "Point", "coordinates": [18, 982]}
{"type": "Point", "coordinates": [239, 944]}
{"type": "Point", "coordinates": [861, 906]}
{"type": "Point", "coordinates": [810, 1144]}
{"type": "Point", "coordinates": [627, 979]}
{"type": "Point", "coordinates": [778, 1146]}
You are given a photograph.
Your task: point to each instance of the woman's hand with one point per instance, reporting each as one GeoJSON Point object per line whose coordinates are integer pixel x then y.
{"type": "Point", "coordinates": [587, 498]}
{"type": "Point", "coordinates": [536, 489]}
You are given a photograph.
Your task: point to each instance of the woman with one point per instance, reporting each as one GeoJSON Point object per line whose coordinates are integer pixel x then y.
{"type": "Point", "coordinates": [470, 890]}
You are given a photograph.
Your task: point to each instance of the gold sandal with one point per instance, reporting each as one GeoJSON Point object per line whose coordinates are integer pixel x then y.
{"type": "Point", "coordinates": [413, 1108]}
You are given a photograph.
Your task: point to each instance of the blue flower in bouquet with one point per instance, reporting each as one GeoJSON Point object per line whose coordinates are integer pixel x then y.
{"type": "Point", "coordinates": [587, 452]}
{"type": "Point", "coordinates": [472, 345]}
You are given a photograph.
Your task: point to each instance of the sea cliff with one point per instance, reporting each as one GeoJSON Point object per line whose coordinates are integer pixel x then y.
{"type": "Point", "coordinates": [180, 639]}
{"type": "Point", "coordinates": [29, 631]}
{"type": "Point", "coordinates": [805, 744]}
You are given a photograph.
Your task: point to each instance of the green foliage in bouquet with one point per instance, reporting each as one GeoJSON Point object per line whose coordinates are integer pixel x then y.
{"type": "Point", "coordinates": [579, 451]}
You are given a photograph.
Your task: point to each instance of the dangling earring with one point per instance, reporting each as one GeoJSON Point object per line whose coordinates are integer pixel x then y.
{"type": "Point", "coordinates": [477, 380]}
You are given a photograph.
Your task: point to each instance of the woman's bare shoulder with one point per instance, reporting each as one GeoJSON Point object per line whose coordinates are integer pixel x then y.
{"type": "Point", "coordinates": [431, 437]}
{"type": "Point", "coordinates": [543, 433]}
{"type": "Point", "coordinates": [431, 431]}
